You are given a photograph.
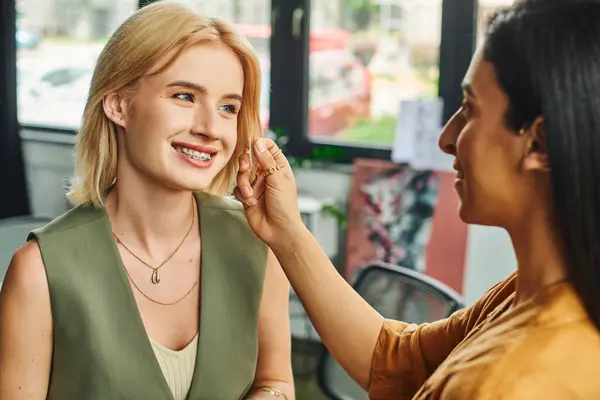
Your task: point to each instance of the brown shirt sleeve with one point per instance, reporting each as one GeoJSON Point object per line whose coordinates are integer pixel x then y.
{"type": "Point", "coordinates": [407, 354]}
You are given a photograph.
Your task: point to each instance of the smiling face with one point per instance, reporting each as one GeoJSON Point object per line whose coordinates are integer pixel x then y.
{"type": "Point", "coordinates": [181, 127]}
{"type": "Point", "coordinates": [493, 163]}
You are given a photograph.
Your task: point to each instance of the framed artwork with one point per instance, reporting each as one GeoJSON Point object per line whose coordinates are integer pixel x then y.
{"type": "Point", "coordinates": [405, 217]}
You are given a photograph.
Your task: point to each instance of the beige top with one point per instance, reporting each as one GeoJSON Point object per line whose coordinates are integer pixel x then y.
{"type": "Point", "coordinates": [177, 366]}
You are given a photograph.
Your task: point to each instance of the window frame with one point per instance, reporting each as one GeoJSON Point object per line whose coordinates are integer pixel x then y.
{"type": "Point", "coordinates": [14, 200]}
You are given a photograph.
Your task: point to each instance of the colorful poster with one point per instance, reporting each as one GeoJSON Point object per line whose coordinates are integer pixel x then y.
{"type": "Point", "coordinates": [405, 217]}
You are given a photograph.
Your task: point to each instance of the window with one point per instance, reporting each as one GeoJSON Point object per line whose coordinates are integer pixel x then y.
{"type": "Point", "coordinates": [58, 42]}
{"type": "Point", "coordinates": [365, 57]}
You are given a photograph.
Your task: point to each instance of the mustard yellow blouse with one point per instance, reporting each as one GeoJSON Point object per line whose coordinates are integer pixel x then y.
{"type": "Point", "coordinates": [544, 348]}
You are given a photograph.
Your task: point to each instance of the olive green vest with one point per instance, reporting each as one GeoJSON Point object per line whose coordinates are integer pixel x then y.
{"type": "Point", "coordinates": [101, 349]}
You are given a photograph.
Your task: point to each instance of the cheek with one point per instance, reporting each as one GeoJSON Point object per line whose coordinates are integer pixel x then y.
{"type": "Point", "coordinates": [230, 136]}
{"type": "Point", "coordinates": [487, 164]}
{"type": "Point", "coordinates": [154, 122]}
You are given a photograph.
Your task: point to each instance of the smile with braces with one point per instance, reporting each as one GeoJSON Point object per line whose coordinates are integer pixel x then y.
{"type": "Point", "coordinates": [194, 154]}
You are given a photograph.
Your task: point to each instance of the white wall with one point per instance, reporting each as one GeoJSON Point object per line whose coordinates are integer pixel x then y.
{"type": "Point", "coordinates": [490, 259]}
{"type": "Point", "coordinates": [48, 159]}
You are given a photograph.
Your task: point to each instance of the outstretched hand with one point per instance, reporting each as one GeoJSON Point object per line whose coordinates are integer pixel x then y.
{"type": "Point", "coordinates": [270, 197]}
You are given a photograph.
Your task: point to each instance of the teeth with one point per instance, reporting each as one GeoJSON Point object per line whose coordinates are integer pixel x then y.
{"type": "Point", "coordinates": [194, 154]}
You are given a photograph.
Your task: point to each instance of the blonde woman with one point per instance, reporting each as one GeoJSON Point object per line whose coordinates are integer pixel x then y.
{"type": "Point", "coordinates": [152, 288]}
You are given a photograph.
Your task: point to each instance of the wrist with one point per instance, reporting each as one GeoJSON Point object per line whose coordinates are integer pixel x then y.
{"type": "Point", "coordinates": [293, 233]}
{"type": "Point", "coordinates": [291, 240]}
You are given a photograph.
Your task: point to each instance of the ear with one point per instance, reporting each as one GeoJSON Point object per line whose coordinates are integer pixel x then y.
{"type": "Point", "coordinates": [115, 108]}
{"type": "Point", "coordinates": [536, 156]}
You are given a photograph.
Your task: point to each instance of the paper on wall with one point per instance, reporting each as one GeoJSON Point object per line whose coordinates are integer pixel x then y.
{"type": "Point", "coordinates": [418, 129]}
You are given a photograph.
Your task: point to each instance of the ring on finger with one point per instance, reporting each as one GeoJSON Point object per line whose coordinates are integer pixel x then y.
{"type": "Point", "coordinates": [271, 170]}
{"type": "Point", "coordinates": [277, 154]}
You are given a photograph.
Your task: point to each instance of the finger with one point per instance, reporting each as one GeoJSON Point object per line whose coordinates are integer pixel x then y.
{"type": "Point", "coordinates": [264, 150]}
{"type": "Point", "coordinates": [247, 202]}
{"type": "Point", "coordinates": [244, 162]}
{"type": "Point", "coordinates": [244, 176]}
{"type": "Point", "coordinates": [258, 186]}
{"type": "Point", "coordinates": [281, 159]}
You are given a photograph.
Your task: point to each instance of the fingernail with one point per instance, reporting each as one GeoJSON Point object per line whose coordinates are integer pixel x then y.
{"type": "Point", "coordinates": [243, 164]}
{"type": "Point", "coordinates": [247, 191]}
{"type": "Point", "coordinates": [260, 145]}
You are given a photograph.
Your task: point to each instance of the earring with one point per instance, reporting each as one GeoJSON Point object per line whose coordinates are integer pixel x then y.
{"type": "Point", "coordinates": [521, 131]}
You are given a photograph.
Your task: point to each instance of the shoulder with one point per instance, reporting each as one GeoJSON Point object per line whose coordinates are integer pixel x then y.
{"type": "Point", "coordinates": [537, 364]}
{"type": "Point", "coordinates": [75, 217]}
{"type": "Point", "coordinates": [25, 280]}
{"type": "Point", "coordinates": [26, 264]}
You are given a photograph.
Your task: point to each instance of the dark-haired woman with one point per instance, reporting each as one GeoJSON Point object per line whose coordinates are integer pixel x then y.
{"type": "Point", "coordinates": [526, 144]}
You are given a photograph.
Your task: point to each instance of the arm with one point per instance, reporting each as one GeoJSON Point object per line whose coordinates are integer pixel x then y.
{"type": "Point", "coordinates": [348, 326]}
{"type": "Point", "coordinates": [346, 323]}
{"type": "Point", "coordinates": [274, 367]}
{"type": "Point", "coordinates": [25, 327]}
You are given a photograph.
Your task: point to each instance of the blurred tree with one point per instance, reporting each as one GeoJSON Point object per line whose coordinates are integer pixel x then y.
{"type": "Point", "coordinates": [360, 12]}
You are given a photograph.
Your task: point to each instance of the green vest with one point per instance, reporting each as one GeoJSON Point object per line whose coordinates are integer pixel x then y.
{"type": "Point", "coordinates": [101, 349]}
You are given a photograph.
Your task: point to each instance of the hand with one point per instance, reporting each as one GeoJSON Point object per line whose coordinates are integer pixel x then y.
{"type": "Point", "coordinates": [270, 202]}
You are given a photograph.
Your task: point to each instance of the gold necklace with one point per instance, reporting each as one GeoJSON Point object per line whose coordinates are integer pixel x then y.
{"type": "Point", "coordinates": [155, 278]}
{"type": "Point", "coordinates": [160, 302]}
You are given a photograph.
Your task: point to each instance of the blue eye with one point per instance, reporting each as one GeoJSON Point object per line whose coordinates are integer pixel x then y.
{"type": "Point", "coordinates": [229, 108]}
{"type": "Point", "coordinates": [184, 96]}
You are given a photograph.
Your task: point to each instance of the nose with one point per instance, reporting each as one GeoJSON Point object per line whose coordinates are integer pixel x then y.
{"type": "Point", "coordinates": [205, 123]}
{"type": "Point", "coordinates": [450, 132]}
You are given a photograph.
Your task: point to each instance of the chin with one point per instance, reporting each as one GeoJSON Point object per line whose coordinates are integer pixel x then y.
{"type": "Point", "coordinates": [197, 186]}
{"type": "Point", "coordinates": [466, 214]}
{"type": "Point", "coordinates": [194, 180]}
{"type": "Point", "coordinates": [463, 214]}
{"type": "Point", "coordinates": [470, 217]}
{"type": "Point", "coordinates": [187, 183]}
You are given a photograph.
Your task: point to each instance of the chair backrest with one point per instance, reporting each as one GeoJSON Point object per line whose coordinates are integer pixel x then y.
{"type": "Point", "coordinates": [13, 233]}
{"type": "Point", "coordinates": [396, 293]}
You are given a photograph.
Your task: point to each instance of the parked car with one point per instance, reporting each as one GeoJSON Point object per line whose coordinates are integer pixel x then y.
{"type": "Point", "coordinates": [52, 95]}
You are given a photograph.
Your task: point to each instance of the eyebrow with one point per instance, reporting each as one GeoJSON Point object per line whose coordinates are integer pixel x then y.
{"type": "Point", "coordinates": [466, 87]}
{"type": "Point", "coordinates": [202, 89]}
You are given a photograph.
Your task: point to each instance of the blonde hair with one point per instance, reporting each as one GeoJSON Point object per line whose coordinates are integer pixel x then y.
{"type": "Point", "coordinates": [139, 44]}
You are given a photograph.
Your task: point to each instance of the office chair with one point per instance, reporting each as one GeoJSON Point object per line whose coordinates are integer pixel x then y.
{"type": "Point", "coordinates": [396, 293]}
{"type": "Point", "coordinates": [13, 233]}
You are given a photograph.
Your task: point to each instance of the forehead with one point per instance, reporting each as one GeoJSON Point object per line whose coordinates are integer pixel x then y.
{"type": "Point", "coordinates": [214, 66]}
{"type": "Point", "coordinates": [481, 79]}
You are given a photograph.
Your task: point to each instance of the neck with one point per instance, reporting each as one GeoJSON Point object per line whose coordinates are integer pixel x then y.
{"type": "Point", "coordinates": [538, 249]}
{"type": "Point", "coordinates": [147, 215]}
